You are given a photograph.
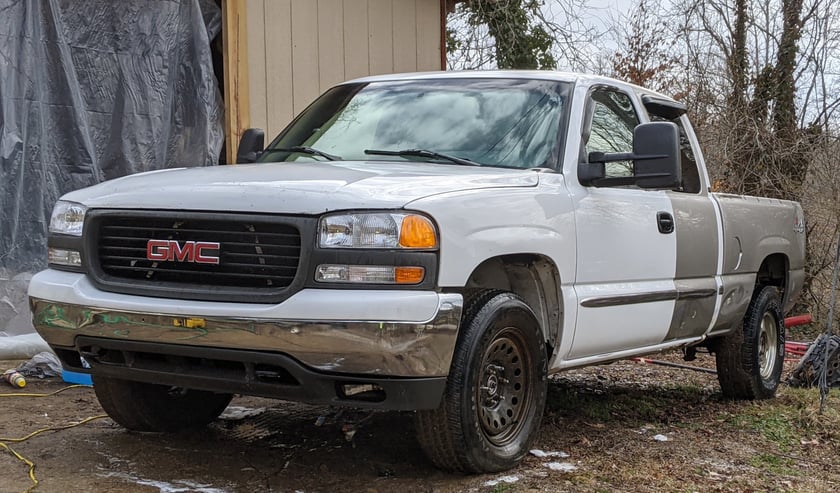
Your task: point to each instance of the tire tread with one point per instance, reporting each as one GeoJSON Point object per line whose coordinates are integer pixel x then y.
{"type": "Point", "coordinates": [737, 367]}
{"type": "Point", "coordinates": [440, 431]}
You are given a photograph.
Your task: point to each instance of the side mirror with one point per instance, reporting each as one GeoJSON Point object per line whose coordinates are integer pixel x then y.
{"type": "Point", "coordinates": [657, 147]}
{"type": "Point", "coordinates": [250, 145]}
{"type": "Point", "coordinates": [655, 156]}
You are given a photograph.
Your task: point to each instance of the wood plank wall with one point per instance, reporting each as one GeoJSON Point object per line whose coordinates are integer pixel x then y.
{"type": "Point", "coordinates": [330, 41]}
{"type": "Point", "coordinates": [235, 53]}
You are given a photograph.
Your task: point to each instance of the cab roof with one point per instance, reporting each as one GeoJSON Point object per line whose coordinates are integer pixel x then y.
{"type": "Point", "coordinates": [572, 77]}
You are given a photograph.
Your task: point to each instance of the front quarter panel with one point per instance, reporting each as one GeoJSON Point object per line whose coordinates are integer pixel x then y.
{"type": "Point", "coordinates": [481, 224]}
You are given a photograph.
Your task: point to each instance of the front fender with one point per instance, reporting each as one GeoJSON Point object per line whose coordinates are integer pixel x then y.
{"type": "Point", "coordinates": [481, 224]}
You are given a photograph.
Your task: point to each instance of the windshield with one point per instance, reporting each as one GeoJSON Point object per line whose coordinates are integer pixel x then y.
{"type": "Point", "coordinates": [512, 123]}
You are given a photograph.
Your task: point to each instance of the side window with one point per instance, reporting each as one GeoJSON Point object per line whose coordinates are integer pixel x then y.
{"type": "Point", "coordinates": [688, 163]}
{"type": "Point", "coordinates": [612, 127]}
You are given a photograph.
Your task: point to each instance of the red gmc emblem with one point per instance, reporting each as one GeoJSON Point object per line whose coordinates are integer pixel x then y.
{"type": "Point", "coordinates": [172, 251]}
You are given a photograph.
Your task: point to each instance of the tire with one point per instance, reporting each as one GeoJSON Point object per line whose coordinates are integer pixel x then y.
{"type": "Point", "coordinates": [496, 390]}
{"type": "Point", "coordinates": [147, 407]}
{"type": "Point", "coordinates": [813, 364]}
{"type": "Point", "coordinates": [749, 361]}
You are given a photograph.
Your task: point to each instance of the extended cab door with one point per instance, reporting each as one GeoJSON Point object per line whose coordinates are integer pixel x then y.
{"type": "Point", "coordinates": [626, 251]}
{"type": "Point", "coordinates": [698, 228]}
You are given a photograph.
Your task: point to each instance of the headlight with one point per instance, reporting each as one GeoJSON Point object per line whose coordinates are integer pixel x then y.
{"type": "Point", "coordinates": [67, 218]}
{"type": "Point", "coordinates": [377, 230]}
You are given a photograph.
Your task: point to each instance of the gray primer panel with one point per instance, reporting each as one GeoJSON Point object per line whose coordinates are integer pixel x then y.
{"type": "Point", "coordinates": [755, 228]}
{"type": "Point", "coordinates": [697, 255]}
{"type": "Point", "coordinates": [737, 292]}
{"type": "Point", "coordinates": [694, 308]}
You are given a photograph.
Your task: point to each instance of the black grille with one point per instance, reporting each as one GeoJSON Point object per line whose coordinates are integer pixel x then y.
{"type": "Point", "coordinates": [253, 253]}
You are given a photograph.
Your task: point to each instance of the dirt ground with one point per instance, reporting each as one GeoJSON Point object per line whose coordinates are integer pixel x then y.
{"type": "Point", "coordinates": [625, 427]}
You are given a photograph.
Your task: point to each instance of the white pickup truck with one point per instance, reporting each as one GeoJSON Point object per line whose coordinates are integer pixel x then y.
{"type": "Point", "coordinates": [432, 242]}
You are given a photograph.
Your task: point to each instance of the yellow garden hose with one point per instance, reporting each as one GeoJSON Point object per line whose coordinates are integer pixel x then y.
{"type": "Point", "coordinates": [18, 456]}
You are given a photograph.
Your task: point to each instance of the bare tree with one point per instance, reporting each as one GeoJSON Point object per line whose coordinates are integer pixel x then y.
{"type": "Point", "coordinates": [775, 131]}
{"type": "Point", "coordinates": [645, 56]}
{"type": "Point", "coordinates": [522, 34]}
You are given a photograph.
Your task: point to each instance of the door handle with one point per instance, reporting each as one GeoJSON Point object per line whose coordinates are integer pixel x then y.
{"type": "Point", "coordinates": [665, 222]}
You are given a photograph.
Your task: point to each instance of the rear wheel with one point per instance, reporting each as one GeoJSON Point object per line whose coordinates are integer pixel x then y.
{"type": "Point", "coordinates": [496, 390]}
{"type": "Point", "coordinates": [147, 407]}
{"type": "Point", "coordinates": [749, 361]}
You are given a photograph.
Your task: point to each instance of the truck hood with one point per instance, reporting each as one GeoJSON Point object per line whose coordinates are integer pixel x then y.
{"type": "Point", "coordinates": [295, 188]}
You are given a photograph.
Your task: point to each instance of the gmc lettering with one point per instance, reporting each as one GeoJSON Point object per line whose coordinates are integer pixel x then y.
{"type": "Point", "coordinates": [191, 251]}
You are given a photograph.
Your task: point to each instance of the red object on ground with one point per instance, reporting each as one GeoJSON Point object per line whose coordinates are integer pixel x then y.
{"type": "Point", "coordinates": [797, 348]}
{"type": "Point", "coordinates": [798, 320]}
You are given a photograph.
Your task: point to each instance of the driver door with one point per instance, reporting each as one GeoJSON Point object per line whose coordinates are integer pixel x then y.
{"type": "Point", "coordinates": [625, 252]}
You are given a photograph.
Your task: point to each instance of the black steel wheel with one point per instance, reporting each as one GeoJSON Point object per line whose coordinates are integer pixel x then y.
{"type": "Point", "coordinates": [503, 389]}
{"type": "Point", "coordinates": [496, 390]}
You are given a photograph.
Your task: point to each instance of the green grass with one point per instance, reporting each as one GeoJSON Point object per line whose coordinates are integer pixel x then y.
{"type": "Point", "coordinates": [773, 424]}
{"type": "Point", "coordinates": [502, 488]}
{"type": "Point", "coordinates": [793, 416]}
{"type": "Point", "coordinates": [774, 464]}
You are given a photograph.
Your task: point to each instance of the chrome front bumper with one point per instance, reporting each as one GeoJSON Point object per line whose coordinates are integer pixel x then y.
{"type": "Point", "coordinates": [375, 348]}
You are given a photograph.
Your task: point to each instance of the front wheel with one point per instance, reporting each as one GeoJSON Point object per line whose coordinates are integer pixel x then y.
{"type": "Point", "coordinates": [148, 407]}
{"type": "Point", "coordinates": [749, 362]}
{"type": "Point", "coordinates": [496, 390]}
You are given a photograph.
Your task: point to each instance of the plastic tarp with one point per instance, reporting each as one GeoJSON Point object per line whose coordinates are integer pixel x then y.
{"type": "Point", "coordinates": [92, 90]}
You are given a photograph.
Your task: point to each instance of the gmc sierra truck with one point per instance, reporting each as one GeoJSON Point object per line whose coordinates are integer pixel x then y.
{"type": "Point", "coordinates": [433, 242]}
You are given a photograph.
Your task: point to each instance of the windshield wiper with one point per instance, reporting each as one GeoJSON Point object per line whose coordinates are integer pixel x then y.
{"type": "Point", "coordinates": [423, 153]}
{"type": "Point", "coordinates": [303, 150]}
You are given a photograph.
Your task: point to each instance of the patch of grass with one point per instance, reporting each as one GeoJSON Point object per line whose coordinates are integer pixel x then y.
{"type": "Point", "coordinates": [773, 464]}
{"type": "Point", "coordinates": [502, 488]}
{"type": "Point", "coordinates": [792, 415]}
{"type": "Point", "coordinates": [772, 423]}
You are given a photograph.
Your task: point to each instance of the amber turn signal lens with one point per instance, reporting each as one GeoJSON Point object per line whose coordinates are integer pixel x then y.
{"type": "Point", "coordinates": [417, 232]}
{"type": "Point", "coordinates": [408, 275]}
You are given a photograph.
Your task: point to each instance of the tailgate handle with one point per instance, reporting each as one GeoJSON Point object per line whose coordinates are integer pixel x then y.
{"type": "Point", "coordinates": [665, 222]}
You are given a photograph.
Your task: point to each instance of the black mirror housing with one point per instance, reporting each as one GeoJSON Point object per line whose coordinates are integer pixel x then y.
{"type": "Point", "coordinates": [655, 156]}
{"type": "Point", "coordinates": [658, 144]}
{"type": "Point", "coordinates": [250, 145]}
{"type": "Point", "coordinates": [594, 170]}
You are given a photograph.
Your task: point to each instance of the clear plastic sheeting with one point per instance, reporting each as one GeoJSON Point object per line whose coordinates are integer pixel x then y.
{"type": "Point", "coordinates": [22, 346]}
{"type": "Point", "coordinates": [90, 91]}
{"type": "Point", "coordinates": [14, 306]}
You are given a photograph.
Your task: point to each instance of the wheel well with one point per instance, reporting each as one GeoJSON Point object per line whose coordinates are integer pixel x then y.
{"type": "Point", "coordinates": [534, 278]}
{"type": "Point", "coordinates": [773, 272]}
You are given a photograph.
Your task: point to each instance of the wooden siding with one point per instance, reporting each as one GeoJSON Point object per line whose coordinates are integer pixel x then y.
{"type": "Point", "coordinates": [299, 48]}
{"type": "Point", "coordinates": [236, 97]}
